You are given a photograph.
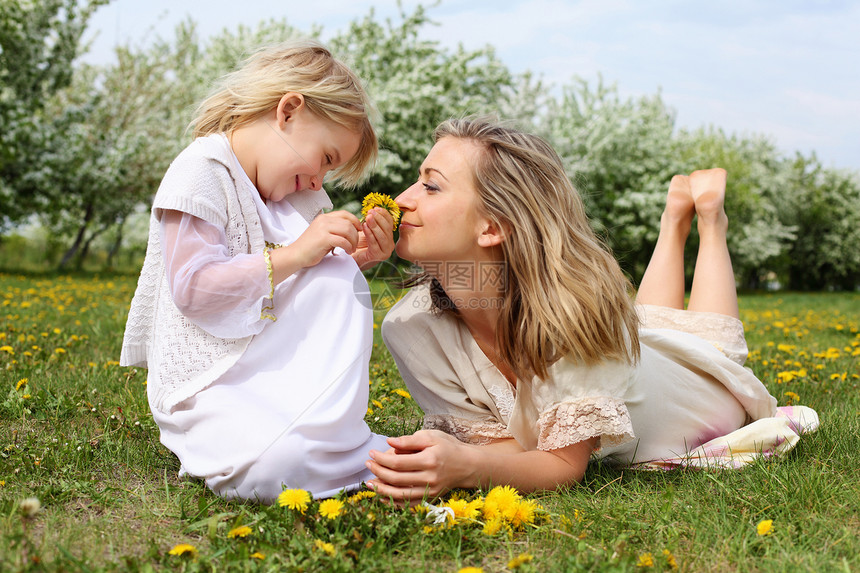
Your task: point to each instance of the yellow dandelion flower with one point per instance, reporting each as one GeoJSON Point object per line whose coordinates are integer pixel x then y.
{"type": "Point", "coordinates": [183, 549]}
{"type": "Point", "coordinates": [60, 351]}
{"type": "Point", "coordinates": [492, 526]}
{"type": "Point", "coordinates": [241, 531]}
{"type": "Point", "coordinates": [331, 508]}
{"type": "Point", "coordinates": [792, 396]}
{"type": "Point", "coordinates": [297, 499]}
{"type": "Point", "coordinates": [8, 349]}
{"type": "Point", "coordinates": [645, 560]}
{"type": "Point", "coordinates": [670, 559]}
{"type": "Point", "coordinates": [402, 392]}
{"type": "Point", "coordinates": [372, 200]}
{"type": "Point", "coordinates": [764, 527]}
{"type": "Point", "coordinates": [428, 529]}
{"type": "Point", "coordinates": [524, 513]}
{"type": "Point", "coordinates": [258, 555]}
{"type": "Point", "coordinates": [501, 501]}
{"type": "Point", "coordinates": [21, 382]}
{"type": "Point", "coordinates": [360, 496]}
{"type": "Point", "coordinates": [520, 559]}
{"type": "Point", "coordinates": [470, 570]}
{"type": "Point", "coordinates": [463, 509]}
{"type": "Point", "coordinates": [324, 546]}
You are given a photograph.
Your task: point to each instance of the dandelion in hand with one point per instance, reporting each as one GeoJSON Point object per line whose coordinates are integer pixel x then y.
{"type": "Point", "coordinates": [380, 200]}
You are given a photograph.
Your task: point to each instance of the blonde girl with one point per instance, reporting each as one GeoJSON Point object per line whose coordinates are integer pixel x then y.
{"type": "Point", "coordinates": [246, 312]}
{"type": "Point", "coordinates": [522, 343]}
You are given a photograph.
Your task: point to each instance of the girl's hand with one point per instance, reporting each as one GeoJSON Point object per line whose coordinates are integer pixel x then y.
{"type": "Point", "coordinates": [376, 241]}
{"type": "Point", "coordinates": [326, 232]}
{"type": "Point", "coordinates": [425, 464]}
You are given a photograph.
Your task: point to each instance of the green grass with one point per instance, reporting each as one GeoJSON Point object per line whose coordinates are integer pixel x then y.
{"type": "Point", "coordinates": [78, 436]}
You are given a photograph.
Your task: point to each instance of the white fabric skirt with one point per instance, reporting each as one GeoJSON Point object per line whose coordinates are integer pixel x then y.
{"type": "Point", "coordinates": [290, 413]}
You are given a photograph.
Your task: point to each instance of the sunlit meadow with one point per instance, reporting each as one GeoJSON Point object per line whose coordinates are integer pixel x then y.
{"type": "Point", "coordinates": [85, 484]}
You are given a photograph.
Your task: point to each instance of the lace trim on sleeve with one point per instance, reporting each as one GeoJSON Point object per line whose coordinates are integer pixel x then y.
{"type": "Point", "coordinates": [571, 422]}
{"type": "Point", "coordinates": [476, 432]}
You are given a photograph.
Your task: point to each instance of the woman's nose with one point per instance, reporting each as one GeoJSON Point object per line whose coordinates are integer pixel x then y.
{"type": "Point", "coordinates": [405, 200]}
{"type": "Point", "coordinates": [316, 182]}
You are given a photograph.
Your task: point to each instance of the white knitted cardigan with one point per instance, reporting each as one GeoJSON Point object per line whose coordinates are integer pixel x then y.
{"type": "Point", "coordinates": [204, 181]}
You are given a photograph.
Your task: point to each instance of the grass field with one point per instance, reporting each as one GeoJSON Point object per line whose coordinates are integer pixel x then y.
{"type": "Point", "coordinates": [76, 434]}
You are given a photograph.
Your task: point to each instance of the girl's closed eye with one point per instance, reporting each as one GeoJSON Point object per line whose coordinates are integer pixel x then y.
{"type": "Point", "coordinates": [430, 187]}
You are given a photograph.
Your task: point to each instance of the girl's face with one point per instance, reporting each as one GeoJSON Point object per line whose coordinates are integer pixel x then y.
{"type": "Point", "coordinates": [441, 221]}
{"type": "Point", "coordinates": [297, 150]}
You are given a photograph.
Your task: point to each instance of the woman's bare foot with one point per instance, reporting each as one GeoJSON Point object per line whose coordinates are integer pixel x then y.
{"type": "Point", "coordinates": [680, 206]}
{"type": "Point", "coordinates": [708, 190]}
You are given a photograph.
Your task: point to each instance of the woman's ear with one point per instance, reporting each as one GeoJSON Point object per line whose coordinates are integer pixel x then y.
{"type": "Point", "coordinates": [289, 104]}
{"type": "Point", "coordinates": [492, 234]}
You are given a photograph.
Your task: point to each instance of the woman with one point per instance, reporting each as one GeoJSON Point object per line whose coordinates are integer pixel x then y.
{"type": "Point", "coordinates": [521, 343]}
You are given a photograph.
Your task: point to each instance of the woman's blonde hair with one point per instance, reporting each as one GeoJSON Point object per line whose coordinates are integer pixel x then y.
{"type": "Point", "coordinates": [331, 91]}
{"type": "Point", "coordinates": [566, 294]}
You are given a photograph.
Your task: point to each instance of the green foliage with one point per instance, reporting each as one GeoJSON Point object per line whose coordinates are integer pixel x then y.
{"type": "Point", "coordinates": [618, 153]}
{"type": "Point", "coordinates": [85, 147]}
{"type": "Point", "coordinates": [38, 43]}
{"type": "Point", "coordinates": [416, 85]}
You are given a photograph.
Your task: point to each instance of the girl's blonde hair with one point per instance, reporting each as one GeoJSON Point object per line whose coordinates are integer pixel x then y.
{"type": "Point", "coordinates": [331, 91]}
{"type": "Point", "coordinates": [566, 294]}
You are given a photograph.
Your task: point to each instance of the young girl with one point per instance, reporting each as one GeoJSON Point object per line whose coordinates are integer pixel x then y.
{"type": "Point", "coordinates": [523, 347]}
{"type": "Point", "coordinates": [246, 312]}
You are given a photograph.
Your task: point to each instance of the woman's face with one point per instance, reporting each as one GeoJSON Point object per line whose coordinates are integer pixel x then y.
{"type": "Point", "coordinates": [441, 220]}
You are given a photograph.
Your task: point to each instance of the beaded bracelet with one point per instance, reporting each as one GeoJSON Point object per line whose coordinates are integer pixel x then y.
{"type": "Point", "coordinates": [265, 311]}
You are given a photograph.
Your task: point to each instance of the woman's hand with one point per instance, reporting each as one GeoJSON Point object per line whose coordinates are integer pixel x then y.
{"type": "Point", "coordinates": [424, 465]}
{"type": "Point", "coordinates": [429, 462]}
{"type": "Point", "coordinates": [376, 241]}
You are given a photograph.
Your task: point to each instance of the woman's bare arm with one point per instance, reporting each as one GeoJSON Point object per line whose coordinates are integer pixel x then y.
{"type": "Point", "coordinates": [429, 463]}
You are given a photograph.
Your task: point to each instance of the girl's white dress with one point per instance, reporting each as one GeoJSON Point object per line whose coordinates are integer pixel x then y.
{"type": "Point", "coordinates": [290, 412]}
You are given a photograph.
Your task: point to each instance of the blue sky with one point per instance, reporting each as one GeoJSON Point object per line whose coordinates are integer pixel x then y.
{"type": "Point", "coordinates": [788, 69]}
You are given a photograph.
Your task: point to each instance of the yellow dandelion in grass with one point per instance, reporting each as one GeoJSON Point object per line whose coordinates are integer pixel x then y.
{"type": "Point", "coordinates": [183, 549]}
{"type": "Point", "coordinates": [493, 526]}
{"type": "Point", "coordinates": [501, 502]}
{"type": "Point", "coordinates": [764, 527]}
{"type": "Point", "coordinates": [463, 509]}
{"type": "Point", "coordinates": [331, 508]}
{"type": "Point", "coordinates": [241, 531]}
{"type": "Point", "coordinates": [297, 499]}
{"type": "Point", "coordinates": [324, 546]}
{"type": "Point", "coordinates": [792, 397]}
{"type": "Point", "coordinates": [470, 570]}
{"type": "Point", "coordinates": [258, 555]}
{"type": "Point", "coordinates": [380, 200]}
{"type": "Point", "coordinates": [360, 496]}
{"type": "Point", "coordinates": [670, 559]}
{"type": "Point", "coordinates": [520, 559]}
{"type": "Point", "coordinates": [8, 349]}
{"type": "Point", "coordinates": [22, 382]}
{"type": "Point", "coordinates": [402, 392]}
{"type": "Point", "coordinates": [524, 512]}
{"type": "Point", "coordinates": [645, 560]}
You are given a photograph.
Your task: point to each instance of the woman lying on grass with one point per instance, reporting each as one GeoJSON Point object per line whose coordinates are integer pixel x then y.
{"type": "Point", "coordinates": [521, 343]}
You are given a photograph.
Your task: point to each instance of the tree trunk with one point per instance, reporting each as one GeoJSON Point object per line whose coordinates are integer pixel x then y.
{"type": "Point", "coordinates": [79, 239]}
